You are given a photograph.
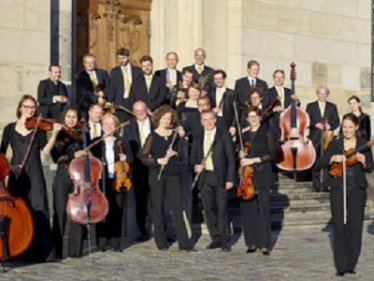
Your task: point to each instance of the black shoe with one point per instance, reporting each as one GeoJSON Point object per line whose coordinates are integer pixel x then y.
{"type": "Point", "coordinates": [164, 249]}
{"type": "Point", "coordinates": [265, 252]}
{"type": "Point", "coordinates": [214, 245]}
{"type": "Point", "coordinates": [351, 271]}
{"type": "Point", "coordinates": [188, 249]}
{"type": "Point", "coordinates": [171, 239]}
{"type": "Point", "coordinates": [143, 237]}
{"type": "Point", "coordinates": [226, 248]}
{"type": "Point", "coordinates": [339, 273]}
{"type": "Point", "coordinates": [251, 249]}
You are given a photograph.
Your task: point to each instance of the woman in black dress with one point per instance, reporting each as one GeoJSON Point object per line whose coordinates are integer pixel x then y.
{"type": "Point", "coordinates": [68, 145]}
{"type": "Point", "coordinates": [354, 103]}
{"type": "Point", "coordinates": [347, 237]}
{"type": "Point", "coordinates": [28, 182]}
{"type": "Point", "coordinates": [255, 213]}
{"type": "Point", "coordinates": [108, 232]}
{"type": "Point", "coordinates": [157, 153]}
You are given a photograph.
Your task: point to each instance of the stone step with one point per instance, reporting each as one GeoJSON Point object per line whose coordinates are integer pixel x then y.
{"type": "Point", "coordinates": [275, 196]}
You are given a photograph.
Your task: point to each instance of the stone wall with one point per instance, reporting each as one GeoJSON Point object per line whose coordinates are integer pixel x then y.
{"type": "Point", "coordinates": [24, 51]}
{"type": "Point", "coordinates": [329, 40]}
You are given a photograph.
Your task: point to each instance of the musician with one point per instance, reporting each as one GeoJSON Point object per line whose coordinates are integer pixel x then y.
{"type": "Point", "coordinates": [222, 99]}
{"type": "Point", "coordinates": [201, 71]}
{"type": "Point", "coordinates": [140, 127]}
{"type": "Point", "coordinates": [121, 78]}
{"type": "Point", "coordinates": [189, 107]}
{"type": "Point", "coordinates": [52, 94]}
{"type": "Point", "coordinates": [26, 179]}
{"type": "Point", "coordinates": [347, 237]}
{"type": "Point", "coordinates": [160, 150]}
{"type": "Point", "coordinates": [243, 85]}
{"type": "Point", "coordinates": [108, 232]}
{"type": "Point", "coordinates": [68, 145]}
{"type": "Point", "coordinates": [95, 113]}
{"type": "Point", "coordinates": [217, 177]}
{"type": "Point", "coordinates": [91, 84]}
{"type": "Point", "coordinates": [170, 76]}
{"type": "Point", "coordinates": [148, 87]}
{"type": "Point", "coordinates": [179, 93]}
{"type": "Point", "coordinates": [255, 213]}
{"type": "Point", "coordinates": [323, 117]}
{"type": "Point", "coordinates": [284, 96]}
{"type": "Point", "coordinates": [354, 103]}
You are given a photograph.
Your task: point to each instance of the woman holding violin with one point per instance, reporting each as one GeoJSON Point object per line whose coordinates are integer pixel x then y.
{"type": "Point", "coordinates": [260, 152]}
{"type": "Point", "coordinates": [351, 151]}
{"type": "Point", "coordinates": [112, 150]}
{"type": "Point", "coordinates": [160, 154]}
{"type": "Point", "coordinates": [26, 179]}
{"type": "Point", "coordinates": [68, 145]}
{"type": "Point", "coordinates": [354, 103]}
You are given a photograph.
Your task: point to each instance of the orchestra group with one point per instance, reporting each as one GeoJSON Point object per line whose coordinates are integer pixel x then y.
{"type": "Point", "coordinates": [183, 136]}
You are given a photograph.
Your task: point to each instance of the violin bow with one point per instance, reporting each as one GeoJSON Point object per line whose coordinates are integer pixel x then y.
{"type": "Point", "coordinates": [344, 191]}
{"type": "Point", "coordinates": [121, 126]}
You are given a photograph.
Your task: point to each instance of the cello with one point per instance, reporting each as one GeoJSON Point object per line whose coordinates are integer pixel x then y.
{"type": "Point", "coordinates": [16, 223]}
{"type": "Point", "coordinates": [297, 152]}
{"type": "Point", "coordinates": [87, 204]}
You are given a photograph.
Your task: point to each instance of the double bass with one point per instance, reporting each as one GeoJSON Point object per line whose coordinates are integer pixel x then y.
{"type": "Point", "coordinates": [297, 152]}
{"type": "Point", "coordinates": [87, 204]}
{"type": "Point", "coordinates": [16, 223]}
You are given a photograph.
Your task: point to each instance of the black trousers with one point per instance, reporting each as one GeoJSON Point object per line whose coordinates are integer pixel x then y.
{"type": "Point", "coordinates": [318, 182]}
{"type": "Point", "coordinates": [167, 186]}
{"type": "Point", "coordinates": [141, 189]}
{"type": "Point", "coordinates": [61, 188]}
{"type": "Point", "coordinates": [347, 237]}
{"type": "Point", "coordinates": [108, 232]}
{"type": "Point", "coordinates": [214, 198]}
{"type": "Point", "coordinates": [255, 216]}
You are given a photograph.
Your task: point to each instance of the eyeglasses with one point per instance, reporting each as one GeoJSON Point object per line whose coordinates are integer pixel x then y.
{"type": "Point", "coordinates": [252, 116]}
{"type": "Point", "coordinates": [28, 106]}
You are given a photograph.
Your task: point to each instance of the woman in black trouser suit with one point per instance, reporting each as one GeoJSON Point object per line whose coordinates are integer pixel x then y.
{"type": "Point", "coordinates": [157, 152]}
{"type": "Point", "coordinates": [67, 146]}
{"type": "Point", "coordinates": [347, 237]}
{"type": "Point", "coordinates": [255, 213]}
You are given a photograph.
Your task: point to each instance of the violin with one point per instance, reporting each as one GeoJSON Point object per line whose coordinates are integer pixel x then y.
{"type": "Point", "coordinates": [44, 124]}
{"type": "Point", "coordinates": [336, 169]}
{"type": "Point", "coordinates": [246, 189]}
{"type": "Point", "coordinates": [297, 152]}
{"type": "Point", "coordinates": [16, 223]}
{"type": "Point", "coordinates": [121, 170]}
{"type": "Point", "coordinates": [87, 204]}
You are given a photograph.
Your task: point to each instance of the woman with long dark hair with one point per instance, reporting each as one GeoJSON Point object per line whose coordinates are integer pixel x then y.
{"type": "Point", "coordinates": [347, 224]}
{"type": "Point", "coordinates": [354, 103]}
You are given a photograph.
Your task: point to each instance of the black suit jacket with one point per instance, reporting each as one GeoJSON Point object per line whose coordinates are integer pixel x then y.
{"type": "Point", "coordinates": [116, 89]}
{"type": "Point", "coordinates": [162, 74]}
{"type": "Point", "coordinates": [85, 91]}
{"type": "Point", "coordinates": [273, 95]}
{"type": "Point", "coordinates": [337, 147]}
{"type": "Point", "coordinates": [227, 105]}
{"type": "Point", "coordinates": [156, 96]}
{"type": "Point", "coordinates": [46, 91]}
{"type": "Point", "coordinates": [330, 115]}
{"type": "Point", "coordinates": [198, 77]}
{"type": "Point", "coordinates": [242, 89]}
{"type": "Point", "coordinates": [223, 156]}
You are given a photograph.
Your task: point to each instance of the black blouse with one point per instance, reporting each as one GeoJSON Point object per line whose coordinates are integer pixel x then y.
{"type": "Point", "coordinates": [155, 147]}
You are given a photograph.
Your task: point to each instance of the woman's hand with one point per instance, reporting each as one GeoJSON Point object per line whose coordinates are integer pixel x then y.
{"type": "Point", "coordinates": [122, 157]}
{"type": "Point", "coordinates": [56, 128]}
{"type": "Point", "coordinates": [163, 161]}
{"type": "Point", "coordinates": [361, 158]}
{"type": "Point", "coordinates": [338, 158]}
{"type": "Point", "coordinates": [170, 153]}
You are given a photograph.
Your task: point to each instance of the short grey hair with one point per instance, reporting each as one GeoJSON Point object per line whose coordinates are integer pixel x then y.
{"type": "Point", "coordinates": [323, 88]}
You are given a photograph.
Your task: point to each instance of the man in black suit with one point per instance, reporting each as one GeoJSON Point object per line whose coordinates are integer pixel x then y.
{"type": "Point", "coordinates": [138, 131]}
{"type": "Point", "coordinates": [222, 100]}
{"type": "Point", "coordinates": [282, 95]}
{"type": "Point", "coordinates": [202, 73]}
{"type": "Point", "coordinates": [170, 76]}
{"type": "Point", "coordinates": [91, 83]}
{"type": "Point", "coordinates": [148, 87]}
{"type": "Point", "coordinates": [95, 114]}
{"type": "Point", "coordinates": [217, 177]}
{"type": "Point", "coordinates": [243, 85]}
{"type": "Point", "coordinates": [52, 94]}
{"type": "Point", "coordinates": [324, 117]}
{"type": "Point", "coordinates": [121, 78]}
